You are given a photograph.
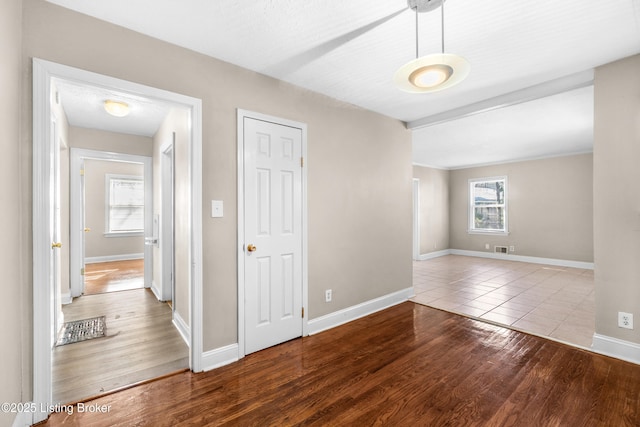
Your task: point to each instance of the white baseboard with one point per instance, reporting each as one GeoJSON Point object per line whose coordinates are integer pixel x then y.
{"type": "Point", "coordinates": [182, 327]}
{"type": "Point", "coordinates": [437, 254]}
{"type": "Point", "coordinates": [343, 316]}
{"type": "Point", "coordinates": [24, 418]}
{"type": "Point", "coordinates": [617, 348]}
{"type": "Point", "coordinates": [522, 258]}
{"type": "Point", "coordinates": [156, 291]}
{"type": "Point", "coordinates": [109, 258]}
{"type": "Point", "coordinates": [219, 357]}
{"type": "Point", "coordinates": [66, 298]}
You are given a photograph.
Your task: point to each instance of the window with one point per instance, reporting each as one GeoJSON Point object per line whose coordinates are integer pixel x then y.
{"type": "Point", "coordinates": [125, 204]}
{"type": "Point", "coordinates": [488, 205]}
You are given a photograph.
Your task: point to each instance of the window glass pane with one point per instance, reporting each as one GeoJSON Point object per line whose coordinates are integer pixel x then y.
{"type": "Point", "coordinates": [489, 218]}
{"type": "Point", "coordinates": [126, 204]}
{"type": "Point", "coordinates": [488, 193]}
{"type": "Point", "coordinates": [125, 218]}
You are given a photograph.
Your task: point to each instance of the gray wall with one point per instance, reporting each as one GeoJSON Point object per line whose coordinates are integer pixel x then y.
{"type": "Point", "coordinates": [434, 208]}
{"type": "Point", "coordinates": [616, 196]}
{"type": "Point", "coordinates": [15, 350]}
{"type": "Point", "coordinates": [550, 205]}
{"type": "Point", "coordinates": [359, 162]}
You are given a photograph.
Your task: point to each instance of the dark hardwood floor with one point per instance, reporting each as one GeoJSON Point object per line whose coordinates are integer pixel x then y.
{"type": "Point", "coordinates": [404, 366]}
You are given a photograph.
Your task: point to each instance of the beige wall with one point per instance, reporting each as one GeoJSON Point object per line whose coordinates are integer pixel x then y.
{"type": "Point", "coordinates": [434, 208]}
{"type": "Point", "coordinates": [97, 245]}
{"type": "Point", "coordinates": [101, 140]}
{"type": "Point", "coordinates": [176, 121]}
{"type": "Point", "coordinates": [359, 162]}
{"type": "Point", "coordinates": [616, 196]}
{"type": "Point", "coordinates": [550, 205]}
{"type": "Point", "coordinates": [16, 313]}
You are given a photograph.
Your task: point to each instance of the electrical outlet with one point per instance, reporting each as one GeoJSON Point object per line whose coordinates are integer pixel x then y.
{"type": "Point", "coordinates": [487, 246]}
{"type": "Point", "coordinates": [625, 320]}
{"type": "Point", "coordinates": [327, 295]}
{"type": "Point", "coordinates": [512, 248]}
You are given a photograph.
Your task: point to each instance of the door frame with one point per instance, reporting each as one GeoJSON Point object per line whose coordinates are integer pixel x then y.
{"type": "Point", "coordinates": [167, 221]}
{"type": "Point", "coordinates": [241, 115]}
{"type": "Point", "coordinates": [416, 219]}
{"type": "Point", "coordinates": [78, 156]}
{"type": "Point", "coordinates": [43, 73]}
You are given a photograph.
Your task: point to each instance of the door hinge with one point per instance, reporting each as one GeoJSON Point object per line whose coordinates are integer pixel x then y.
{"type": "Point", "coordinates": [81, 172]}
{"type": "Point", "coordinates": [301, 162]}
{"type": "Point", "coordinates": [82, 271]}
{"type": "Point", "coordinates": [303, 312]}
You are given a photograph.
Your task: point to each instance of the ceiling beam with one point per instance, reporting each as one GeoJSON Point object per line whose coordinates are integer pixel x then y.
{"type": "Point", "coordinates": [542, 90]}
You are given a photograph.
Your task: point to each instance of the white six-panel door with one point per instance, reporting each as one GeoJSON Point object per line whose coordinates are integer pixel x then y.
{"type": "Point", "coordinates": [272, 233]}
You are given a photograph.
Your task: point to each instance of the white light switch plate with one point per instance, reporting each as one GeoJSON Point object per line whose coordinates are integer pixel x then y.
{"type": "Point", "coordinates": [217, 210]}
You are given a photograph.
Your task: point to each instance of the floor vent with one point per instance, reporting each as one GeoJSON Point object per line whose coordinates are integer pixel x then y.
{"type": "Point", "coordinates": [501, 249]}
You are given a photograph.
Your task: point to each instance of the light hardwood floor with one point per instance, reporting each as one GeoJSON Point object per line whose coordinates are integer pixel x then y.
{"type": "Point", "coordinates": [409, 365]}
{"type": "Point", "coordinates": [101, 277]}
{"type": "Point", "coordinates": [141, 344]}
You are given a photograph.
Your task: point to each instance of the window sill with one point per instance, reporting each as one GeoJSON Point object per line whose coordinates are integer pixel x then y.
{"type": "Point", "coordinates": [488, 232]}
{"type": "Point", "coordinates": [124, 234]}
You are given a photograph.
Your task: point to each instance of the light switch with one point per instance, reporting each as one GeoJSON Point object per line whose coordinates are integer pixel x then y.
{"type": "Point", "coordinates": [216, 209]}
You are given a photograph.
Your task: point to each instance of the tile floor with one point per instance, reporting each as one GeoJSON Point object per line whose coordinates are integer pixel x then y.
{"type": "Point", "coordinates": [557, 302]}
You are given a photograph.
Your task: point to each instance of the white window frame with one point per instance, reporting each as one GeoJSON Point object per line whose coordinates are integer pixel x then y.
{"type": "Point", "coordinates": [471, 208]}
{"type": "Point", "coordinates": [107, 206]}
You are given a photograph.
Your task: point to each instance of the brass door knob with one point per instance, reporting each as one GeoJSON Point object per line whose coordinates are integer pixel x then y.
{"type": "Point", "coordinates": [251, 248]}
{"type": "Point", "coordinates": [56, 245]}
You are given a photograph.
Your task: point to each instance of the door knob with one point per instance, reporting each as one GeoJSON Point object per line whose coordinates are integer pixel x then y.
{"type": "Point", "coordinates": [56, 245]}
{"type": "Point", "coordinates": [251, 248]}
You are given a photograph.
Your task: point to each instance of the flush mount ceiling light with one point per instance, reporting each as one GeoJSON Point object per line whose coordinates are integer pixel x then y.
{"type": "Point", "coordinates": [434, 72]}
{"type": "Point", "coordinates": [116, 108]}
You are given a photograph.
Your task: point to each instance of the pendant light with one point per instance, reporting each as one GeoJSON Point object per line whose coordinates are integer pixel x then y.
{"type": "Point", "coordinates": [433, 72]}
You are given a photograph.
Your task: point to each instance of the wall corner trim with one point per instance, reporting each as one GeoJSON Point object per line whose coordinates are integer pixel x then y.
{"type": "Point", "coordinates": [182, 327]}
{"type": "Point", "coordinates": [348, 314]}
{"type": "Point", "coordinates": [432, 255]}
{"type": "Point", "coordinates": [221, 356]}
{"type": "Point", "coordinates": [614, 347]}
{"type": "Point", "coordinates": [522, 258]}
{"type": "Point", "coordinates": [24, 418]}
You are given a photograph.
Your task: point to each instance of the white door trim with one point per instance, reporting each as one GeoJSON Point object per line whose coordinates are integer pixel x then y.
{"type": "Point", "coordinates": [78, 155]}
{"type": "Point", "coordinates": [242, 114]}
{"type": "Point", "coordinates": [167, 221]}
{"type": "Point", "coordinates": [43, 72]}
{"type": "Point", "coordinates": [416, 219]}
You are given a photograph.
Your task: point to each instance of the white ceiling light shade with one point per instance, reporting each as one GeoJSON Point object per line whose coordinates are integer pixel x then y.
{"type": "Point", "coordinates": [116, 108]}
{"type": "Point", "coordinates": [433, 72]}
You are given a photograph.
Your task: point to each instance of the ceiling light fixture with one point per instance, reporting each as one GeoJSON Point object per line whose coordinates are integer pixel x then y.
{"type": "Point", "coordinates": [116, 108]}
{"type": "Point", "coordinates": [433, 72]}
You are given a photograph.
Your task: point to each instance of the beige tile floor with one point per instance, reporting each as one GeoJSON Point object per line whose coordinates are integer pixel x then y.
{"type": "Point", "coordinates": [545, 300]}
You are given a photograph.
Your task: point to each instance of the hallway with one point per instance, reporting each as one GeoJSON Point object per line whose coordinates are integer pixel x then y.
{"type": "Point", "coordinates": [141, 343]}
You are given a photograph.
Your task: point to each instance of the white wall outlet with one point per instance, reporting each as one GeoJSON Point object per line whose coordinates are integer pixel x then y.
{"type": "Point", "coordinates": [487, 246]}
{"type": "Point", "coordinates": [512, 248]}
{"type": "Point", "coordinates": [327, 295]}
{"type": "Point", "coordinates": [625, 320]}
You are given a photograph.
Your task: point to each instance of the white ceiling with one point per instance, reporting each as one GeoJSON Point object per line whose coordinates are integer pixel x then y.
{"type": "Point", "coordinates": [84, 107]}
{"type": "Point", "coordinates": [349, 50]}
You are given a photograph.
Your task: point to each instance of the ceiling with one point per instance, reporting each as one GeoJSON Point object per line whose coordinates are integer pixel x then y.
{"type": "Point", "coordinates": [349, 50]}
